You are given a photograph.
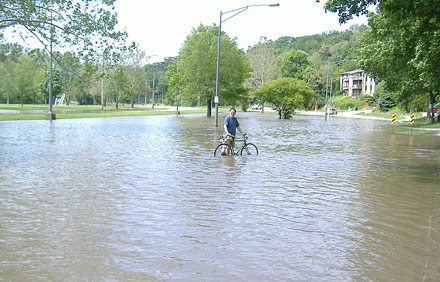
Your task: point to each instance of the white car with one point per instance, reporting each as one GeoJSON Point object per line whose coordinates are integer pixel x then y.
{"type": "Point", "coordinates": [256, 107]}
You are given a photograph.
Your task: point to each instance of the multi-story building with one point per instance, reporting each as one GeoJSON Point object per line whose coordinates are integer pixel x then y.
{"type": "Point", "coordinates": [357, 82]}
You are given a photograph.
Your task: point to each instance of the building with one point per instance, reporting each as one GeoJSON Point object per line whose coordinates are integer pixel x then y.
{"type": "Point", "coordinates": [357, 82]}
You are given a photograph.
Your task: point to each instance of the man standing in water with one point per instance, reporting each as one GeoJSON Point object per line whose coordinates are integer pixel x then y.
{"type": "Point", "coordinates": [230, 125]}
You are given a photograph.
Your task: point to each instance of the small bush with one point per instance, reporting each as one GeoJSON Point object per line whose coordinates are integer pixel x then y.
{"type": "Point", "coordinates": [344, 103]}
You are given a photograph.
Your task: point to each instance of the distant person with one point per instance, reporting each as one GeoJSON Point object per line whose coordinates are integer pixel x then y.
{"type": "Point", "coordinates": [230, 126]}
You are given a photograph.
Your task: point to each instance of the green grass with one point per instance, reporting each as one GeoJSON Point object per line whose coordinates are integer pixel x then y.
{"type": "Point", "coordinates": [423, 122]}
{"type": "Point", "coordinates": [382, 115]}
{"type": "Point", "coordinates": [27, 112]}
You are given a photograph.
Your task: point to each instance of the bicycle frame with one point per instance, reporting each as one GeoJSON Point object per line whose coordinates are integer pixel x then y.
{"type": "Point", "coordinates": [242, 145]}
{"type": "Point", "coordinates": [250, 148]}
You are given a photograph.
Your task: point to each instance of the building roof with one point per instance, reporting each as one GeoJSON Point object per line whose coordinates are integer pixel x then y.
{"type": "Point", "coordinates": [353, 71]}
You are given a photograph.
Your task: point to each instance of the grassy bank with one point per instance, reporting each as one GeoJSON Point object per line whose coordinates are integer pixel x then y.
{"type": "Point", "coordinates": [420, 119]}
{"type": "Point", "coordinates": [37, 112]}
{"type": "Point", "coordinates": [383, 115]}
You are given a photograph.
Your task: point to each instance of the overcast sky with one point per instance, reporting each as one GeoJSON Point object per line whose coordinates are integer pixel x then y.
{"type": "Point", "coordinates": [161, 26]}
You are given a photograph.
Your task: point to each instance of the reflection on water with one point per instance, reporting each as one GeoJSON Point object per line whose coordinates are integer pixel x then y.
{"type": "Point", "coordinates": [143, 198]}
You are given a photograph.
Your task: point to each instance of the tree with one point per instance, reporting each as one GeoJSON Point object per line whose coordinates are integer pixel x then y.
{"type": "Point", "coordinates": [295, 63]}
{"type": "Point", "coordinates": [88, 83]}
{"type": "Point", "coordinates": [402, 45]}
{"type": "Point", "coordinates": [134, 61]}
{"type": "Point", "coordinates": [263, 61]}
{"type": "Point", "coordinates": [287, 94]}
{"type": "Point", "coordinates": [80, 23]}
{"type": "Point", "coordinates": [384, 97]}
{"type": "Point", "coordinates": [57, 84]}
{"type": "Point", "coordinates": [10, 53]}
{"type": "Point", "coordinates": [173, 76]}
{"type": "Point", "coordinates": [70, 67]}
{"type": "Point", "coordinates": [197, 68]}
{"type": "Point", "coordinates": [119, 86]}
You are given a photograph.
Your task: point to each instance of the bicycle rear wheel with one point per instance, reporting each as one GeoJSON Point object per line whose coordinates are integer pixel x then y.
{"type": "Point", "coordinates": [223, 150]}
{"type": "Point", "coordinates": [249, 150]}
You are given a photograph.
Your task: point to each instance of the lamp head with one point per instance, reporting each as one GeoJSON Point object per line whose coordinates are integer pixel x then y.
{"type": "Point", "coordinates": [274, 5]}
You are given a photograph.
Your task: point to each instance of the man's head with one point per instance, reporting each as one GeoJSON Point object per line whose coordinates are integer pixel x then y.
{"type": "Point", "coordinates": [232, 112]}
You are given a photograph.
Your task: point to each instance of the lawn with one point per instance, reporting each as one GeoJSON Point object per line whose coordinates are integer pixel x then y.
{"type": "Point", "coordinates": [35, 112]}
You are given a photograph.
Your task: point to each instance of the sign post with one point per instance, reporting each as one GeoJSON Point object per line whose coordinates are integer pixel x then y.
{"type": "Point", "coordinates": [393, 120]}
{"type": "Point", "coordinates": [412, 121]}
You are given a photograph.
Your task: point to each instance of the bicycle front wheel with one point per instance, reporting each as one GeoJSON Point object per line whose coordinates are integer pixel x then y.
{"type": "Point", "coordinates": [223, 150]}
{"type": "Point", "coordinates": [249, 150]}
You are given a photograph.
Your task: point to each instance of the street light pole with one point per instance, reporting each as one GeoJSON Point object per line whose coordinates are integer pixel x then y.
{"type": "Point", "coordinates": [235, 12]}
{"type": "Point", "coordinates": [331, 91]}
{"type": "Point", "coordinates": [152, 103]}
{"type": "Point", "coordinates": [51, 115]}
{"type": "Point", "coordinates": [326, 90]}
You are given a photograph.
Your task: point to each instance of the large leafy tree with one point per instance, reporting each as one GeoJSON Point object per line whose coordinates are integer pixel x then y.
{"type": "Point", "coordinates": [86, 26]}
{"type": "Point", "coordinates": [9, 56]}
{"type": "Point", "coordinates": [197, 68]}
{"type": "Point", "coordinates": [119, 86]}
{"type": "Point", "coordinates": [134, 60]}
{"type": "Point", "coordinates": [88, 81]}
{"type": "Point", "coordinates": [402, 46]}
{"type": "Point", "coordinates": [57, 84]}
{"type": "Point", "coordinates": [295, 64]}
{"type": "Point", "coordinates": [263, 61]}
{"type": "Point", "coordinates": [287, 94]}
{"type": "Point", "coordinates": [82, 23]}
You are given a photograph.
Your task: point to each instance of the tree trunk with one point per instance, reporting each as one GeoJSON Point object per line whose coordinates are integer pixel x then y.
{"type": "Point", "coordinates": [208, 107]}
{"type": "Point", "coordinates": [431, 103]}
{"type": "Point", "coordinates": [117, 103]}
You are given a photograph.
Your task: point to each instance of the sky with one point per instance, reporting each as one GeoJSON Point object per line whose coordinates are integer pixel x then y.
{"type": "Point", "coordinates": [160, 27]}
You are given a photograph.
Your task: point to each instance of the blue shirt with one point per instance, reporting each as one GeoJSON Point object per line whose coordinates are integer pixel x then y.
{"type": "Point", "coordinates": [231, 124]}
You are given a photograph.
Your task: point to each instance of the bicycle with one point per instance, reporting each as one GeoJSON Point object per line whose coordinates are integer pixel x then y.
{"type": "Point", "coordinates": [245, 148]}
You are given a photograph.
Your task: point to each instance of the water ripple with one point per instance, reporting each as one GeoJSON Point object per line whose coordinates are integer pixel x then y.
{"type": "Point", "coordinates": [144, 199]}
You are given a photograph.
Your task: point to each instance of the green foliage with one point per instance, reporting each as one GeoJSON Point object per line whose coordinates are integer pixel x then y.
{"type": "Point", "coordinates": [345, 103]}
{"type": "Point", "coordinates": [366, 98]}
{"type": "Point", "coordinates": [286, 93]}
{"type": "Point", "coordinates": [401, 46]}
{"type": "Point", "coordinates": [264, 64]}
{"type": "Point", "coordinates": [20, 77]}
{"type": "Point", "coordinates": [133, 60]}
{"type": "Point", "coordinates": [57, 86]}
{"type": "Point", "coordinates": [85, 24]}
{"type": "Point", "coordinates": [295, 64]}
{"type": "Point", "coordinates": [119, 88]}
{"type": "Point", "coordinates": [323, 48]}
{"type": "Point", "coordinates": [385, 99]}
{"type": "Point", "coordinates": [346, 9]}
{"type": "Point", "coordinates": [197, 67]}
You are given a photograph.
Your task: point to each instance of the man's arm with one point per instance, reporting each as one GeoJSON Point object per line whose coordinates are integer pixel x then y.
{"type": "Point", "coordinates": [239, 129]}
{"type": "Point", "coordinates": [226, 129]}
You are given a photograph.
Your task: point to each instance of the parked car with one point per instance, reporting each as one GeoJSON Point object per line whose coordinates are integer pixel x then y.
{"type": "Point", "coordinates": [332, 111]}
{"type": "Point", "coordinates": [274, 107]}
{"type": "Point", "coordinates": [256, 107]}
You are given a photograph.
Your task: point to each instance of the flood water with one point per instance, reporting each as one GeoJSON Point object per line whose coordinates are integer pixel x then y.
{"type": "Point", "coordinates": [144, 199]}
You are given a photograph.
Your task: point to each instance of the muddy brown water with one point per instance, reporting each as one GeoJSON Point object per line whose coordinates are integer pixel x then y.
{"type": "Point", "coordinates": [144, 199]}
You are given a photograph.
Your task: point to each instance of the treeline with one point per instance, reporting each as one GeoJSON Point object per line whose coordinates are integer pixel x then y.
{"type": "Point", "coordinates": [399, 48]}
{"type": "Point", "coordinates": [129, 78]}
